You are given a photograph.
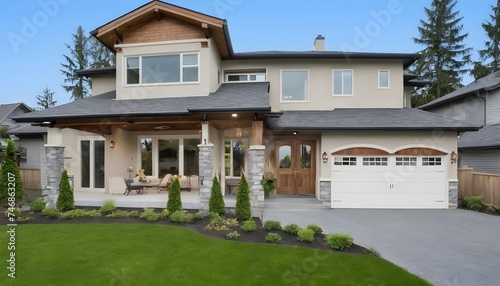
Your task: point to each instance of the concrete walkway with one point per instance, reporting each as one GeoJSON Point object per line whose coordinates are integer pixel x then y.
{"type": "Point", "coordinates": [445, 247]}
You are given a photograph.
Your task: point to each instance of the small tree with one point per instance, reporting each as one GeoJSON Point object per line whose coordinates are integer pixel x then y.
{"type": "Point", "coordinates": [10, 175]}
{"type": "Point", "coordinates": [216, 202]}
{"type": "Point", "coordinates": [243, 200]}
{"type": "Point", "coordinates": [65, 199]}
{"type": "Point", "coordinates": [174, 197]}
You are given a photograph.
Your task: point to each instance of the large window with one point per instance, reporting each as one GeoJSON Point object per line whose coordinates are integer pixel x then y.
{"type": "Point", "coordinates": [342, 82]}
{"type": "Point", "coordinates": [234, 157]}
{"type": "Point", "coordinates": [174, 68]}
{"type": "Point", "coordinates": [294, 85]}
{"type": "Point", "coordinates": [168, 157]}
{"type": "Point", "coordinates": [383, 79]}
{"type": "Point", "coordinates": [92, 163]}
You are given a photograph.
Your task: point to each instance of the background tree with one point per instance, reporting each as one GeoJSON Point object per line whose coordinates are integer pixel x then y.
{"type": "Point", "coordinates": [66, 198]}
{"type": "Point", "coordinates": [100, 55]}
{"type": "Point", "coordinates": [216, 202]}
{"type": "Point", "coordinates": [10, 174]}
{"type": "Point", "coordinates": [46, 100]}
{"type": "Point", "coordinates": [444, 58]}
{"type": "Point", "coordinates": [491, 54]}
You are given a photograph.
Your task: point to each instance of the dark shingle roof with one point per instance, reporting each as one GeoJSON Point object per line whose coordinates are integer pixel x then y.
{"type": "Point", "coordinates": [487, 137]}
{"type": "Point", "coordinates": [366, 119]}
{"type": "Point", "coordinates": [7, 109]}
{"type": "Point", "coordinates": [489, 82]}
{"type": "Point", "coordinates": [96, 71]}
{"type": "Point", "coordinates": [229, 97]}
{"type": "Point", "coordinates": [28, 129]}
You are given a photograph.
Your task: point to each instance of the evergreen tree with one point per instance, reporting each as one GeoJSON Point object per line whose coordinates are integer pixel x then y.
{"type": "Point", "coordinates": [243, 210]}
{"type": "Point", "coordinates": [78, 60]}
{"type": "Point", "coordinates": [216, 202]}
{"type": "Point", "coordinates": [444, 57]}
{"type": "Point", "coordinates": [174, 197]}
{"type": "Point", "coordinates": [65, 199]}
{"type": "Point", "coordinates": [491, 54]}
{"type": "Point", "coordinates": [46, 100]}
{"type": "Point", "coordinates": [10, 179]}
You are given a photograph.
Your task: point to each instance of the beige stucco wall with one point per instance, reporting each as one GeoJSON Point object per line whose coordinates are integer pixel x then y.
{"type": "Point", "coordinates": [366, 93]}
{"type": "Point", "coordinates": [391, 142]}
{"type": "Point", "coordinates": [103, 83]}
{"type": "Point", "coordinates": [208, 65]}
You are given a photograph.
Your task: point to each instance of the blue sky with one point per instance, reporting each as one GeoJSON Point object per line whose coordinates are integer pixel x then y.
{"type": "Point", "coordinates": [33, 33]}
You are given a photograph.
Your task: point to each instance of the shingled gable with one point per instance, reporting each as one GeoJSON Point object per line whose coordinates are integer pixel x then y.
{"type": "Point", "coordinates": [169, 22]}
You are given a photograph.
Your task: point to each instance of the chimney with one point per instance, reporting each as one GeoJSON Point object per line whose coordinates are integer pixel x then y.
{"type": "Point", "coordinates": [319, 44]}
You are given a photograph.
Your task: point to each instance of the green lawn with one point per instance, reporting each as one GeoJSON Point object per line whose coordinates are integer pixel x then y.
{"type": "Point", "coordinates": [128, 254]}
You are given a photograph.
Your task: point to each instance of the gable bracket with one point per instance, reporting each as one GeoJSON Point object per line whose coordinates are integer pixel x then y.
{"type": "Point", "coordinates": [158, 15]}
{"type": "Point", "coordinates": [204, 26]}
{"type": "Point", "coordinates": [118, 35]}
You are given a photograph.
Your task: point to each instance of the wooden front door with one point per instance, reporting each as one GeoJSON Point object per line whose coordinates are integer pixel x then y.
{"type": "Point", "coordinates": [296, 167]}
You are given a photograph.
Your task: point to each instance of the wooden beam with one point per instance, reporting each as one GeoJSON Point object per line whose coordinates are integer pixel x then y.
{"type": "Point", "coordinates": [158, 15]}
{"type": "Point", "coordinates": [204, 26]}
{"type": "Point", "coordinates": [257, 132]}
{"type": "Point", "coordinates": [118, 35]}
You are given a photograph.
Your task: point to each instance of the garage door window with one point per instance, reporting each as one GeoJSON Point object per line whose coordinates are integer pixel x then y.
{"type": "Point", "coordinates": [375, 161]}
{"type": "Point", "coordinates": [431, 161]}
{"type": "Point", "coordinates": [345, 161]}
{"type": "Point", "coordinates": [406, 161]}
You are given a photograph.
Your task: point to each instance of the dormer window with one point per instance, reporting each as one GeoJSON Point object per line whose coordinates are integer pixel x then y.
{"type": "Point", "coordinates": [245, 77]}
{"type": "Point", "coordinates": [172, 68]}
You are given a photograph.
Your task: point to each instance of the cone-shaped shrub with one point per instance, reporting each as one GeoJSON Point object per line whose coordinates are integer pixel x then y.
{"type": "Point", "coordinates": [243, 200]}
{"type": "Point", "coordinates": [216, 202]}
{"type": "Point", "coordinates": [174, 197]}
{"type": "Point", "coordinates": [65, 200]}
{"type": "Point", "coordinates": [10, 179]}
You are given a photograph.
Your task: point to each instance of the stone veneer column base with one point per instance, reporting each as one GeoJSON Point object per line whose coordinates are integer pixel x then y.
{"type": "Point", "coordinates": [54, 168]}
{"type": "Point", "coordinates": [256, 157]}
{"type": "Point", "coordinates": [206, 174]}
{"type": "Point", "coordinates": [453, 194]}
{"type": "Point", "coordinates": [325, 192]}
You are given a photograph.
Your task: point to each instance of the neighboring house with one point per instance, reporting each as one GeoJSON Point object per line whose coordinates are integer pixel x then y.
{"type": "Point", "coordinates": [477, 103]}
{"type": "Point", "coordinates": [333, 125]}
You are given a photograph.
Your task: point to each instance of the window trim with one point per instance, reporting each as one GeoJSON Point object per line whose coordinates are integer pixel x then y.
{"type": "Point", "coordinates": [281, 86]}
{"type": "Point", "coordinates": [388, 79]}
{"type": "Point", "coordinates": [333, 82]}
{"type": "Point", "coordinates": [181, 70]}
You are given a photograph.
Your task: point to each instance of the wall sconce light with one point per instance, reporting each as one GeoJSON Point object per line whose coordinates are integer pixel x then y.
{"type": "Point", "coordinates": [112, 144]}
{"type": "Point", "coordinates": [324, 156]}
{"type": "Point", "coordinates": [453, 157]}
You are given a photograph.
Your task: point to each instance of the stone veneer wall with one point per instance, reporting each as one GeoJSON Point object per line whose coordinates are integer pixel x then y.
{"type": "Point", "coordinates": [206, 174]}
{"type": "Point", "coordinates": [452, 194]}
{"type": "Point", "coordinates": [54, 168]}
{"type": "Point", "coordinates": [325, 193]}
{"type": "Point", "coordinates": [256, 155]}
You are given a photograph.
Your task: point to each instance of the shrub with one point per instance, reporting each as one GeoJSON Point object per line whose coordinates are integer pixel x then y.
{"type": "Point", "coordinates": [134, 214]}
{"type": "Point", "coordinates": [108, 206]}
{"type": "Point", "coordinates": [195, 217]}
{"type": "Point", "coordinates": [215, 219]}
{"type": "Point", "coordinates": [65, 200]}
{"type": "Point", "coordinates": [291, 228]}
{"type": "Point", "coordinates": [179, 217]}
{"type": "Point", "coordinates": [316, 228]}
{"type": "Point", "coordinates": [231, 222]}
{"type": "Point", "coordinates": [13, 212]}
{"type": "Point", "coordinates": [490, 209]}
{"type": "Point", "coordinates": [38, 205]}
{"type": "Point", "coordinates": [150, 215]}
{"type": "Point", "coordinates": [174, 197]}
{"type": "Point", "coordinates": [339, 241]}
{"type": "Point", "coordinates": [233, 235]}
{"type": "Point", "coordinates": [243, 210]}
{"type": "Point", "coordinates": [164, 213]}
{"type": "Point", "coordinates": [93, 213]}
{"type": "Point", "coordinates": [306, 235]}
{"type": "Point", "coordinates": [249, 225]}
{"type": "Point", "coordinates": [216, 202]}
{"type": "Point", "coordinates": [9, 174]}
{"type": "Point", "coordinates": [273, 237]}
{"type": "Point", "coordinates": [118, 214]}
{"type": "Point", "coordinates": [371, 252]}
{"type": "Point", "coordinates": [50, 212]}
{"type": "Point", "coordinates": [24, 219]}
{"type": "Point", "coordinates": [73, 214]}
{"type": "Point", "coordinates": [272, 225]}
{"type": "Point", "coordinates": [474, 203]}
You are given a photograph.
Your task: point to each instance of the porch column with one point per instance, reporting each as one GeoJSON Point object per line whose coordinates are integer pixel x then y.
{"type": "Point", "coordinates": [206, 173]}
{"type": "Point", "coordinates": [54, 169]}
{"type": "Point", "coordinates": [256, 155]}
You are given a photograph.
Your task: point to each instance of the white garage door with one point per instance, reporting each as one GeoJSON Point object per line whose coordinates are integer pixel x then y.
{"type": "Point", "coordinates": [389, 182]}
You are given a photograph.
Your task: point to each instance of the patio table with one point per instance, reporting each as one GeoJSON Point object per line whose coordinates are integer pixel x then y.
{"type": "Point", "coordinates": [145, 185]}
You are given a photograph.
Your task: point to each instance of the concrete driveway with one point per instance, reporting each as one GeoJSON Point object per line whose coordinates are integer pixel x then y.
{"type": "Point", "coordinates": [445, 247]}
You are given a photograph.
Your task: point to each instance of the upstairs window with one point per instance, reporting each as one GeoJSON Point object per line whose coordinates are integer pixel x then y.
{"type": "Point", "coordinates": [383, 79]}
{"type": "Point", "coordinates": [294, 85]}
{"type": "Point", "coordinates": [174, 68]}
{"type": "Point", "coordinates": [342, 82]}
{"type": "Point", "coordinates": [245, 77]}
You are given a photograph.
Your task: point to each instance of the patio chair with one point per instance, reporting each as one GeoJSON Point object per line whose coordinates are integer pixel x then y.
{"type": "Point", "coordinates": [130, 187]}
{"type": "Point", "coordinates": [165, 183]}
{"type": "Point", "coordinates": [185, 183]}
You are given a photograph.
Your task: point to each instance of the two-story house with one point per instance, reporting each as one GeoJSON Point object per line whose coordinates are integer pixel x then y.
{"type": "Point", "coordinates": [477, 103]}
{"type": "Point", "coordinates": [333, 125]}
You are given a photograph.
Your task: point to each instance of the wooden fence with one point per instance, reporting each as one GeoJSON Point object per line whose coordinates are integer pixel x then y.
{"type": "Point", "coordinates": [486, 185]}
{"type": "Point", "coordinates": [31, 178]}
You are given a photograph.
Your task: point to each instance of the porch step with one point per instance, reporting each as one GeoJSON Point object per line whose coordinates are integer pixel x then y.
{"type": "Point", "coordinates": [294, 203]}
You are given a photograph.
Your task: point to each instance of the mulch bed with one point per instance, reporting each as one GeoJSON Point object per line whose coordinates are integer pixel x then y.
{"type": "Point", "coordinates": [257, 236]}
